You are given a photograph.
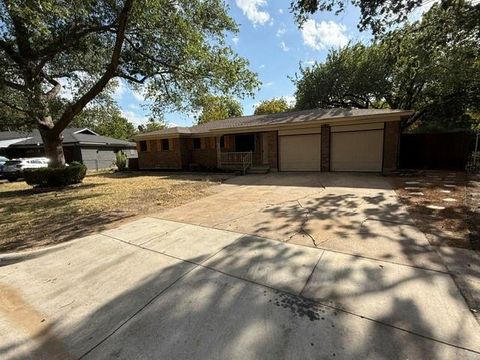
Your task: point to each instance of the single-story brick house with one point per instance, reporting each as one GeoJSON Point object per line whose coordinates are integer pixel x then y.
{"type": "Point", "coordinates": [309, 140]}
{"type": "Point", "coordinates": [79, 144]}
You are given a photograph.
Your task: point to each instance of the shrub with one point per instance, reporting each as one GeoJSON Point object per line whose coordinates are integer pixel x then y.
{"type": "Point", "coordinates": [121, 160]}
{"type": "Point", "coordinates": [55, 177]}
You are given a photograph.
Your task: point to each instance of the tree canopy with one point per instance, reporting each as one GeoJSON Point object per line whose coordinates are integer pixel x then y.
{"type": "Point", "coordinates": [430, 66]}
{"type": "Point", "coordinates": [152, 124]}
{"type": "Point", "coordinates": [174, 52]}
{"type": "Point", "coordinates": [107, 120]}
{"type": "Point", "coordinates": [272, 106]}
{"type": "Point", "coordinates": [377, 15]}
{"type": "Point", "coordinates": [218, 108]}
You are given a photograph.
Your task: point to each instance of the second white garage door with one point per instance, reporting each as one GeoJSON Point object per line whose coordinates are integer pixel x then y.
{"type": "Point", "coordinates": [357, 151]}
{"type": "Point", "coordinates": [300, 152]}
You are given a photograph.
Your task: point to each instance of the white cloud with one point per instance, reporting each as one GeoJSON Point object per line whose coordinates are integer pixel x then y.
{"type": "Point", "coordinates": [426, 5]}
{"type": "Point", "coordinates": [290, 100]}
{"type": "Point", "coordinates": [322, 34]}
{"type": "Point", "coordinates": [280, 11]}
{"type": "Point", "coordinates": [67, 91]}
{"type": "Point", "coordinates": [251, 9]}
{"type": "Point", "coordinates": [308, 62]}
{"type": "Point", "coordinates": [138, 95]}
{"type": "Point", "coordinates": [284, 46]}
{"type": "Point", "coordinates": [134, 117]}
{"type": "Point", "coordinates": [262, 66]}
{"type": "Point", "coordinates": [133, 106]}
{"type": "Point", "coordinates": [235, 40]}
{"type": "Point", "coordinates": [119, 90]}
{"type": "Point", "coordinates": [270, 83]}
{"type": "Point", "coordinates": [281, 31]}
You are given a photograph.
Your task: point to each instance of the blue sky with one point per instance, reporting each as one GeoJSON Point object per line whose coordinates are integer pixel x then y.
{"type": "Point", "coordinates": [274, 46]}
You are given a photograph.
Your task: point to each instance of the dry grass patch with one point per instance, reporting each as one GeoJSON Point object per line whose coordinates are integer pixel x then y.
{"type": "Point", "coordinates": [31, 218]}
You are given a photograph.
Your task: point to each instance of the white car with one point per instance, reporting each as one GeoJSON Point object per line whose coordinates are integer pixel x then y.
{"type": "Point", "coordinates": [13, 169]}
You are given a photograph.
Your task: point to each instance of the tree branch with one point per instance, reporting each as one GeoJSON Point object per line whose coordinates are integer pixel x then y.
{"type": "Point", "coordinates": [13, 85]}
{"type": "Point", "coordinates": [413, 119]}
{"type": "Point", "coordinates": [62, 44]}
{"type": "Point", "coordinates": [12, 54]}
{"type": "Point", "coordinates": [132, 78]}
{"type": "Point", "coordinates": [110, 72]}
{"type": "Point", "coordinates": [55, 90]}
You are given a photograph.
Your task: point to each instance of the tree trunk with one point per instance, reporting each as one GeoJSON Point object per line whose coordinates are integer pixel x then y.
{"type": "Point", "coordinates": [53, 145]}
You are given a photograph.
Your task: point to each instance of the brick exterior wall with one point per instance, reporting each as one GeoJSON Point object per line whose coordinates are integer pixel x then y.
{"type": "Point", "coordinates": [185, 153]}
{"type": "Point", "coordinates": [206, 156]}
{"type": "Point", "coordinates": [155, 158]}
{"type": "Point", "coordinates": [273, 149]}
{"type": "Point", "coordinates": [325, 148]}
{"type": "Point", "coordinates": [391, 146]}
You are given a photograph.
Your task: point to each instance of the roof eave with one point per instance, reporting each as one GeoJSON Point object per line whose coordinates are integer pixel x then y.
{"type": "Point", "coordinates": [393, 116]}
{"type": "Point", "coordinates": [397, 116]}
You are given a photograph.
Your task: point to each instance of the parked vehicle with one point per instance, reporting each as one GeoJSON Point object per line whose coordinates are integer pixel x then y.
{"type": "Point", "coordinates": [13, 169]}
{"type": "Point", "coordinates": [3, 160]}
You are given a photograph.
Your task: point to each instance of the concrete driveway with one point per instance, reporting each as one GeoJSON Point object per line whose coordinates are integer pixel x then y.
{"type": "Point", "coordinates": [210, 280]}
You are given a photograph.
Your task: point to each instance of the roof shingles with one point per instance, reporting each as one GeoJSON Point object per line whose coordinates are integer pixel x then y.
{"type": "Point", "coordinates": [275, 119]}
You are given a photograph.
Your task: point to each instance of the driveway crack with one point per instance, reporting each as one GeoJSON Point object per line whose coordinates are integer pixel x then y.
{"type": "Point", "coordinates": [304, 223]}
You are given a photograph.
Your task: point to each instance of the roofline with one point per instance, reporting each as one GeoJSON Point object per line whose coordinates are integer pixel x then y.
{"type": "Point", "coordinates": [70, 144]}
{"type": "Point", "coordinates": [383, 117]}
{"type": "Point", "coordinates": [79, 131]}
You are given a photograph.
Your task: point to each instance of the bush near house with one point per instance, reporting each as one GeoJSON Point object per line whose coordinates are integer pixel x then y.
{"type": "Point", "coordinates": [56, 177]}
{"type": "Point", "coordinates": [121, 161]}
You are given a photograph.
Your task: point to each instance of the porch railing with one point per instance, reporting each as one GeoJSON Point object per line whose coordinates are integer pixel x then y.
{"type": "Point", "coordinates": [236, 160]}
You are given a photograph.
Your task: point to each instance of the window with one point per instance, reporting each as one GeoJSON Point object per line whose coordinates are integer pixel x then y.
{"type": "Point", "coordinates": [222, 142]}
{"type": "Point", "coordinates": [197, 144]}
{"type": "Point", "coordinates": [244, 143]}
{"type": "Point", "coordinates": [165, 145]}
{"type": "Point", "coordinates": [143, 145]}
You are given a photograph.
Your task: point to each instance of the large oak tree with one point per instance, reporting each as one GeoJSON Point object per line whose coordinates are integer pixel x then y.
{"type": "Point", "coordinates": [430, 66]}
{"type": "Point", "coordinates": [172, 49]}
{"type": "Point", "coordinates": [214, 107]}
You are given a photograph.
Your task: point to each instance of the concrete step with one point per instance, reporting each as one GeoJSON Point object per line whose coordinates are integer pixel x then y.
{"type": "Point", "coordinates": [259, 170]}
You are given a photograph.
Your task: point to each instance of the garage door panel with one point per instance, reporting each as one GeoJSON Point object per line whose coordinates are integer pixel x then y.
{"type": "Point", "coordinates": [300, 152]}
{"type": "Point", "coordinates": [357, 151]}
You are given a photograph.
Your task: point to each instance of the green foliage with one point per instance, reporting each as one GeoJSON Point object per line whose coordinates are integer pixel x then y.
{"type": "Point", "coordinates": [152, 125]}
{"type": "Point", "coordinates": [430, 66]}
{"type": "Point", "coordinates": [374, 14]}
{"type": "Point", "coordinates": [121, 161]}
{"type": "Point", "coordinates": [105, 119]}
{"type": "Point", "coordinates": [172, 51]}
{"type": "Point", "coordinates": [56, 177]}
{"type": "Point", "coordinates": [272, 106]}
{"type": "Point", "coordinates": [354, 76]}
{"type": "Point", "coordinates": [218, 108]}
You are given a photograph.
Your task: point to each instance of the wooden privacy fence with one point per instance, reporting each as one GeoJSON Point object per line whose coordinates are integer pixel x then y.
{"type": "Point", "coordinates": [442, 151]}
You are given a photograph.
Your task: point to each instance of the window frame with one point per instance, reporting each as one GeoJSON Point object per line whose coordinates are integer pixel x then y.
{"type": "Point", "coordinates": [199, 141]}
{"type": "Point", "coordinates": [165, 141]}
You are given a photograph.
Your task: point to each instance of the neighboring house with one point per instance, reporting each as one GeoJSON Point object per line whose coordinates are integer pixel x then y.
{"type": "Point", "coordinates": [82, 145]}
{"type": "Point", "coordinates": [309, 140]}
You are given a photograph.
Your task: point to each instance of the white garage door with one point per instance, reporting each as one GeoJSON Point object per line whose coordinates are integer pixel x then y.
{"type": "Point", "coordinates": [300, 152]}
{"type": "Point", "coordinates": [357, 151]}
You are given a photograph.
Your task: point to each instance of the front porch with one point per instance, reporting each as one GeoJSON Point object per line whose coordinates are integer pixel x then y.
{"type": "Point", "coordinates": [247, 152]}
